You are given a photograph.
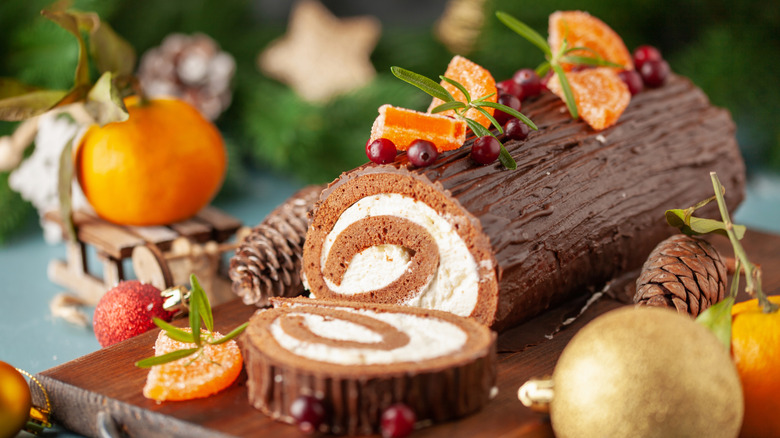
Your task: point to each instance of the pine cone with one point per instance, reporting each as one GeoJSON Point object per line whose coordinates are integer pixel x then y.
{"type": "Point", "coordinates": [684, 273]}
{"type": "Point", "coordinates": [268, 261]}
{"type": "Point", "coordinates": [192, 68]}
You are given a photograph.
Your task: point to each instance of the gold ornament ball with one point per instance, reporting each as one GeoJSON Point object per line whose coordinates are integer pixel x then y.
{"type": "Point", "coordinates": [645, 372]}
{"type": "Point", "coordinates": [15, 401]}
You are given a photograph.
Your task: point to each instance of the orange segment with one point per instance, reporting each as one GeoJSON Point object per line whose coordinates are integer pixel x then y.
{"type": "Point", "coordinates": [599, 93]}
{"type": "Point", "coordinates": [477, 81]}
{"type": "Point", "coordinates": [200, 375]}
{"type": "Point", "coordinates": [403, 126]}
{"type": "Point", "coordinates": [581, 29]}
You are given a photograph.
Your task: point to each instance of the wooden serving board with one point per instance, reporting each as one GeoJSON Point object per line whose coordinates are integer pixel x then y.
{"type": "Point", "coordinates": [106, 385]}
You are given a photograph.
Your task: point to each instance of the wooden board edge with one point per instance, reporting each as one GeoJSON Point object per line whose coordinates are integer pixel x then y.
{"type": "Point", "coordinates": [77, 410]}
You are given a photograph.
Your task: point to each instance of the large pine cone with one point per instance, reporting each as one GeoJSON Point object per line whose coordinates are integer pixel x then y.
{"type": "Point", "coordinates": [268, 260]}
{"type": "Point", "coordinates": [683, 273]}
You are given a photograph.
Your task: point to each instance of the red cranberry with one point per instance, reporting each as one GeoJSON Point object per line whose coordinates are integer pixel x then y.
{"type": "Point", "coordinates": [510, 101]}
{"type": "Point", "coordinates": [633, 80]}
{"type": "Point", "coordinates": [515, 129]}
{"type": "Point", "coordinates": [308, 412]}
{"type": "Point", "coordinates": [397, 421]}
{"type": "Point", "coordinates": [529, 81]}
{"type": "Point", "coordinates": [381, 151]}
{"type": "Point", "coordinates": [645, 53]}
{"type": "Point", "coordinates": [509, 86]}
{"type": "Point", "coordinates": [485, 149]}
{"type": "Point", "coordinates": [654, 73]}
{"type": "Point", "coordinates": [422, 153]}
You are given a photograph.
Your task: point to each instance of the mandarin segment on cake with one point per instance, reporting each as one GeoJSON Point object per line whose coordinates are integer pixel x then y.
{"type": "Point", "coordinates": [476, 79]}
{"type": "Point", "coordinates": [359, 359]}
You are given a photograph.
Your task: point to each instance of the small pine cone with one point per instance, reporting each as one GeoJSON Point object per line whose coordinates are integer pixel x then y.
{"type": "Point", "coordinates": [683, 273]}
{"type": "Point", "coordinates": [268, 260]}
{"type": "Point", "coordinates": [192, 68]}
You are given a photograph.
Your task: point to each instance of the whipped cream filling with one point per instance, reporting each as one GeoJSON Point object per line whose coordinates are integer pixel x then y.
{"type": "Point", "coordinates": [428, 338]}
{"type": "Point", "coordinates": [453, 288]}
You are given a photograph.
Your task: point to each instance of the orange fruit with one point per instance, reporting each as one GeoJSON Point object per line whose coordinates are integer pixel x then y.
{"type": "Point", "coordinates": [403, 126]}
{"type": "Point", "coordinates": [581, 29]}
{"type": "Point", "coordinates": [599, 93]}
{"type": "Point", "coordinates": [755, 347]}
{"type": "Point", "coordinates": [476, 80]}
{"type": "Point", "coordinates": [162, 165]}
{"type": "Point", "coordinates": [200, 375]}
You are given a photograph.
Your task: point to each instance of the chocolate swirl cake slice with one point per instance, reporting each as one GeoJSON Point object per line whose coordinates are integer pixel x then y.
{"type": "Point", "coordinates": [360, 358]}
{"type": "Point", "coordinates": [503, 245]}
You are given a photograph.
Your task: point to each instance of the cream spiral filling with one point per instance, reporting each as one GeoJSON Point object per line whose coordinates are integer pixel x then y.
{"type": "Point", "coordinates": [453, 284]}
{"type": "Point", "coordinates": [349, 336]}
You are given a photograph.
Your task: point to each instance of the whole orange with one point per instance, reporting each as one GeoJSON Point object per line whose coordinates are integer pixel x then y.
{"type": "Point", "coordinates": [162, 165]}
{"type": "Point", "coordinates": [755, 346]}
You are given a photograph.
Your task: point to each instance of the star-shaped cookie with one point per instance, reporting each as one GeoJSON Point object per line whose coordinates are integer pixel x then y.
{"type": "Point", "coordinates": [321, 55]}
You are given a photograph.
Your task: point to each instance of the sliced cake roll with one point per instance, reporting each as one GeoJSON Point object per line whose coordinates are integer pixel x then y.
{"type": "Point", "coordinates": [361, 358]}
{"type": "Point", "coordinates": [503, 245]}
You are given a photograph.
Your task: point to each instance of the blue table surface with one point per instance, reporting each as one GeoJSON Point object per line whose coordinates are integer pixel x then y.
{"type": "Point", "coordinates": [35, 341]}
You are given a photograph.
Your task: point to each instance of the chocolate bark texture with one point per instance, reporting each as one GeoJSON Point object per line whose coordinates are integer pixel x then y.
{"type": "Point", "coordinates": [581, 208]}
{"type": "Point", "coordinates": [438, 388]}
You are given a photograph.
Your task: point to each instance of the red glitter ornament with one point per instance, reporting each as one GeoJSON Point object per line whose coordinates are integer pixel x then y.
{"type": "Point", "coordinates": [126, 311]}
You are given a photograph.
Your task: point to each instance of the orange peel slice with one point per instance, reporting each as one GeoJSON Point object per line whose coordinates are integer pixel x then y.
{"type": "Point", "coordinates": [200, 375]}
{"type": "Point", "coordinates": [580, 29]}
{"type": "Point", "coordinates": [403, 126]}
{"type": "Point", "coordinates": [476, 80]}
{"type": "Point", "coordinates": [599, 93]}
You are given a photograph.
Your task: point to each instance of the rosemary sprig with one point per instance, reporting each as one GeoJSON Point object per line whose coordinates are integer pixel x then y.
{"type": "Point", "coordinates": [200, 312]}
{"type": "Point", "coordinates": [436, 90]}
{"type": "Point", "coordinates": [555, 60]}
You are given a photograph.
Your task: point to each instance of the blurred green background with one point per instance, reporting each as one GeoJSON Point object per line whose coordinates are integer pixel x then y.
{"type": "Point", "coordinates": [730, 49]}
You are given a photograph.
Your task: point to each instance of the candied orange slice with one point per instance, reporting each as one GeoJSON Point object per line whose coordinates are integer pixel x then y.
{"type": "Point", "coordinates": [202, 374]}
{"type": "Point", "coordinates": [581, 29]}
{"type": "Point", "coordinates": [476, 80]}
{"type": "Point", "coordinates": [403, 126]}
{"type": "Point", "coordinates": [599, 93]}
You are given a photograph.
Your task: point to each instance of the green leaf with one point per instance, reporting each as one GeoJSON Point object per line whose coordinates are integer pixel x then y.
{"type": "Point", "coordinates": [174, 332]}
{"type": "Point", "coordinates": [236, 331]}
{"type": "Point", "coordinates": [457, 85]}
{"type": "Point", "coordinates": [64, 188]}
{"type": "Point", "coordinates": [165, 358]}
{"type": "Point", "coordinates": [476, 128]}
{"type": "Point", "coordinates": [567, 93]}
{"type": "Point", "coordinates": [104, 103]}
{"type": "Point", "coordinates": [195, 304]}
{"type": "Point", "coordinates": [506, 159]}
{"type": "Point", "coordinates": [25, 106]}
{"type": "Point", "coordinates": [111, 52]}
{"type": "Point", "coordinates": [70, 22]}
{"type": "Point", "coordinates": [717, 318]}
{"type": "Point", "coordinates": [512, 112]}
{"type": "Point", "coordinates": [542, 69]}
{"type": "Point", "coordinates": [694, 226]}
{"type": "Point", "coordinates": [448, 106]}
{"type": "Point", "coordinates": [199, 294]}
{"type": "Point", "coordinates": [492, 119]}
{"type": "Point", "coordinates": [425, 84]}
{"type": "Point", "coordinates": [524, 31]}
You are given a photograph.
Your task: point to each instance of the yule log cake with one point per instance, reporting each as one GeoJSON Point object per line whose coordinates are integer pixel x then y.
{"type": "Point", "coordinates": [361, 358]}
{"type": "Point", "coordinates": [502, 245]}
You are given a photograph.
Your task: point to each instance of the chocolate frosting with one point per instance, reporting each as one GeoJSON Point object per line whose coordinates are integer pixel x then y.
{"type": "Point", "coordinates": [584, 206]}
